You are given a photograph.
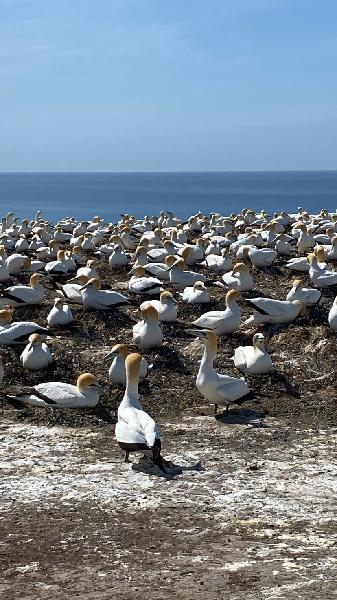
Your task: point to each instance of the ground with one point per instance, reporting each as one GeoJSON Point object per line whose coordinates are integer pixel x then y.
{"type": "Point", "coordinates": [253, 515]}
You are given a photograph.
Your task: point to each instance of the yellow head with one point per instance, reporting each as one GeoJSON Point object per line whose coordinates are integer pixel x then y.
{"type": "Point", "coordinates": [231, 296]}
{"type": "Point", "coordinates": [132, 365]}
{"type": "Point", "coordinates": [149, 312]}
{"type": "Point", "coordinates": [87, 381]}
{"type": "Point", "coordinates": [5, 316]}
{"type": "Point", "coordinates": [35, 339]}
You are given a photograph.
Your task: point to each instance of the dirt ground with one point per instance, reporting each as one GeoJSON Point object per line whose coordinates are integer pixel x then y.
{"type": "Point", "coordinates": [253, 515]}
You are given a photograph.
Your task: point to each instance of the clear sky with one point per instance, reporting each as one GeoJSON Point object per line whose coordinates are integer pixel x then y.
{"type": "Point", "coordinates": [160, 85]}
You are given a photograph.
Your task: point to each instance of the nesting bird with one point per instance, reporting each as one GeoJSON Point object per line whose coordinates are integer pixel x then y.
{"type": "Point", "coordinates": [60, 315]}
{"type": "Point", "coordinates": [117, 372]}
{"type": "Point", "coordinates": [36, 355]}
{"type": "Point", "coordinates": [253, 359]}
{"type": "Point", "coordinates": [147, 333]}
{"type": "Point", "coordinates": [56, 394]}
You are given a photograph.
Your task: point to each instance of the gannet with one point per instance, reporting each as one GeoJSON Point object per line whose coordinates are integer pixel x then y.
{"type": "Point", "coordinates": [36, 354]}
{"type": "Point", "coordinates": [320, 277]}
{"type": "Point", "coordinates": [94, 297]}
{"type": "Point", "coordinates": [213, 248]}
{"type": "Point", "coordinates": [117, 373]}
{"type": "Point", "coordinates": [158, 255]}
{"type": "Point", "coordinates": [239, 279]}
{"type": "Point", "coordinates": [16, 263]}
{"type": "Point", "coordinates": [89, 270]}
{"type": "Point", "coordinates": [147, 333]}
{"type": "Point", "coordinates": [58, 266]}
{"type": "Point", "coordinates": [305, 241]}
{"type": "Point", "coordinates": [117, 257]}
{"type": "Point", "coordinates": [196, 294]}
{"type": "Point", "coordinates": [213, 386]}
{"type": "Point", "coordinates": [57, 394]}
{"type": "Point", "coordinates": [267, 310]}
{"type": "Point", "coordinates": [22, 244]}
{"type": "Point", "coordinates": [259, 257]}
{"type": "Point", "coordinates": [72, 289]}
{"type": "Point", "coordinates": [19, 295]}
{"type": "Point", "coordinates": [219, 264]}
{"type": "Point", "coordinates": [140, 284]}
{"type": "Point", "coordinates": [306, 295]}
{"type": "Point", "coordinates": [180, 278]}
{"type": "Point", "coordinates": [283, 246]}
{"type": "Point", "coordinates": [166, 307]}
{"type": "Point", "coordinates": [222, 321]}
{"type": "Point", "coordinates": [60, 315]}
{"type": "Point", "coordinates": [88, 244]}
{"type": "Point", "coordinates": [135, 429]}
{"type": "Point", "coordinates": [192, 253]}
{"type": "Point", "coordinates": [332, 317]}
{"type": "Point", "coordinates": [17, 332]}
{"type": "Point", "coordinates": [253, 359]}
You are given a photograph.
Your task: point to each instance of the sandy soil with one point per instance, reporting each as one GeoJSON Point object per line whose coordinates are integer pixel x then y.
{"type": "Point", "coordinates": [253, 515]}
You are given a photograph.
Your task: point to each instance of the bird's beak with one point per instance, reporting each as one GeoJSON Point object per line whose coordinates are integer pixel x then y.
{"type": "Point", "coordinates": [97, 387]}
{"type": "Point", "coordinates": [109, 355]}
{"type": "Point", "coordinates": [84, 287]}
{"type": "Point", "coordinates": [196, 332]}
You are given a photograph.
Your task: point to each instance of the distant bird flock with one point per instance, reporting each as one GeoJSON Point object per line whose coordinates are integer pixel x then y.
{"type": "Point", "coordinates": [159, 257]}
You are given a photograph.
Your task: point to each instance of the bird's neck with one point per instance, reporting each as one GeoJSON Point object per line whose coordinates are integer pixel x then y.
{"type": "Point", "coordinates": [131, 390]}
{"type": "Point", "coordinates": [208, 357]}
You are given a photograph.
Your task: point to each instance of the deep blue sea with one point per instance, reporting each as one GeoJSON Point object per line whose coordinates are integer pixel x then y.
{"type": "Point", "coordinates": [108, 194]}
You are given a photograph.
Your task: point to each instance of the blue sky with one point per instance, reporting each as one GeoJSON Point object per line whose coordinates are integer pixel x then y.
{"type": "Point", "coordinates": [160, 85]}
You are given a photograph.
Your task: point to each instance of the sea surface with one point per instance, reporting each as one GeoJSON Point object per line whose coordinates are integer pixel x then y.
{"type": "Point", "coordinates": [84, 195]}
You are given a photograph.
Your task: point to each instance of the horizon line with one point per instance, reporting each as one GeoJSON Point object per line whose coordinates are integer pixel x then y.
{"type": "Point", "coordinates": [173, 172]}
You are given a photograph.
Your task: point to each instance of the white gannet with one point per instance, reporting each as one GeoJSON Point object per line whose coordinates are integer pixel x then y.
{"type": "Point", "coordinates": [17, 332]}
{"type": "Point", "coordinates": [57, 394]}
{"type": "Point", "coordinates": [36, 354]}
{"type": "Point", "coordinates": [253, 359]}
{"type": "Point", "coordinates": [219, 264]}
{"type": "Point", "coordinates": [72, 289]}
{"type": "Point", "coordinates": [332, 317]}
{"type": "Point", "coordinates": [298, 264]}
{"type": "Point", "coordinates": [159, 254]}
{"type": "Point", "coordinates": [259, 257]}
{"type": "Point", "coordinates": [179, 278]}
{"type": "Point", "coordinates": [166, 307]}
{"type": "Point", "coordinates": [60, 315]}
{"type": "Point", "coordinates": [135, 429]}
{"type": "Point", "coordinates": [196, 294]}
{"type": "Point", "coordinates": [283, 246]}
{"type": "Point", "coordinates": [239, 279]}
{"type": "Point", "coordinates": [58, 266]}
{"type": "Point", "coordinates": [307, 295]}
{"type": "Point", "coordinates": [322, 278]}
{"type": "Point", "coordinates": [16, 263]}
{"type": "Point", "coordinates": [117, 257]}
{"type": "Point", "coordinates": [117, 373]}
{"type": "Point", "coordinates": [147, 333]}
{"type": "Point", "coordinates": [89, 270]}
{"type": "Point", "coordinates": [141, 284]}
{"type": "Point", "coordinates": [305, 241]}
{"type": "Point", "coordinates": [225, 321]}
{"type": "Point", "coordinates": [19, 295]}
{"type": "Point", "coordinates": [22, 244]}
{"type": "Point", "coordinates": [215, 387]}
{"type": "Point", "coordinates": [267, 310]}
{"type": "Point", "coordinates": [94, 297]}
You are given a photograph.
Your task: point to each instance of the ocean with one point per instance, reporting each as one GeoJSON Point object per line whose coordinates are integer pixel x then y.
{"type": "Point", "coordinates": [84, 195]}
